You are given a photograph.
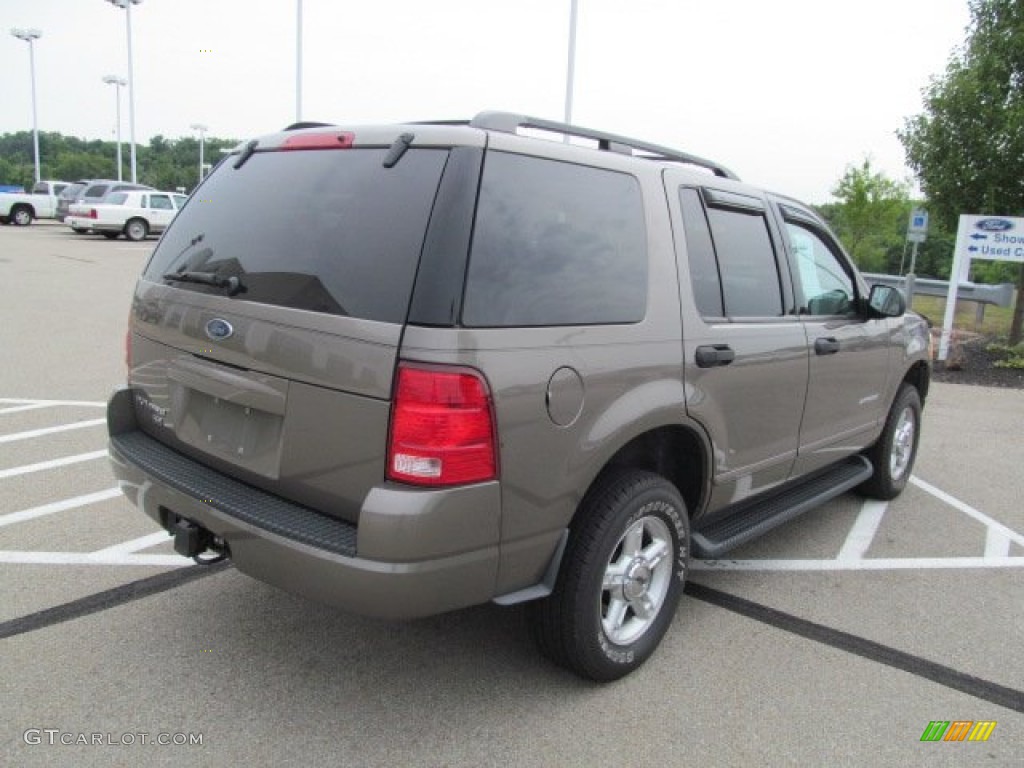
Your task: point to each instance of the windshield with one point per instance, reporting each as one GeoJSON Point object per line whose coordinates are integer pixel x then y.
{"type": "Point", "coordinates": [326, 231]}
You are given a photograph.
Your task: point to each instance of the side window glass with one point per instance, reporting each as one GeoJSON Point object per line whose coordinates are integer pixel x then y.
{"type": "Point", "coordinates": [555, 244]}
{"type": "Point", "coordinates": [704, 277]}
{"type": "Point", "coordinates": [746, 261]}
{"type": "Point", "coordinates": [160, 201]}
{"type": "Point", "coordinates": [824, 286]}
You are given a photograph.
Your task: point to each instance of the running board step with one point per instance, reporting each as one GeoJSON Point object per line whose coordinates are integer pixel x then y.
{"type": "Point", "coordinates": [755, 519]}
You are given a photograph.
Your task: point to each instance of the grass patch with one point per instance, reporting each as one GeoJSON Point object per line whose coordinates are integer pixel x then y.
{"type": "Point", "coordinates": [996, 322]}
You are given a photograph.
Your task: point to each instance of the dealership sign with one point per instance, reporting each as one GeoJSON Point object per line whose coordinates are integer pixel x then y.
{"type": "Point", "coordinates": [1000, 238]}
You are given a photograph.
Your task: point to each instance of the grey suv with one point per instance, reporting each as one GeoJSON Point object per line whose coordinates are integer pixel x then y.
{"type": "Point", "coordinates": [444, 364]}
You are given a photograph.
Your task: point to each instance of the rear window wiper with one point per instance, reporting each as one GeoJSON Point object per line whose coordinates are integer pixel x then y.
{"type": "Point", "coordinates": [232, 284]}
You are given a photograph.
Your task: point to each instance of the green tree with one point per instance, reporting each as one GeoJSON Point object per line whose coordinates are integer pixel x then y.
{"type": "Point", "coordinates": [870, 216]}
{"type": "Point", "coordinates": [967, 146]}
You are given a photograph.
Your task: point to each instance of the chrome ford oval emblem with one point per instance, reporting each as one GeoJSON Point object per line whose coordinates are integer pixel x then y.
{"type": "Point", "coordinates": [218, 329]}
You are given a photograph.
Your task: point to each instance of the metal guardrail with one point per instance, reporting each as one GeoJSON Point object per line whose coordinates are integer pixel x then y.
{"type": "Point", "coordinates": [997, 295]}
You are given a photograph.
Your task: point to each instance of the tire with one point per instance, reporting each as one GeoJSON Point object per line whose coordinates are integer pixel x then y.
{"type": "Point", "coordinates": [21, 215]}
{"type": "Point", "coordinates": [620, 579]}
{"type": "Point", "coordinates": [136, 230]}
{"type": "Point", "coordinates": [893, 454]}
{"type": "Point", "coordinates": [111, 235]}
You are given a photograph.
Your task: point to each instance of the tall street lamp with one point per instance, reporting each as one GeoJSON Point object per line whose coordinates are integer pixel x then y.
{"type": "Point", "coordinates": [30, 35]}
{"type": "Point", "coordinates": [202, 140]}
{"type": "Point", "coordinates": [570, 72]}
{"type": "Point", "coordinates": [118, 83]}
{"type": "Point", "coordinates": [127, 5]}
{"type": "Point", "coordinates": [298, 62]}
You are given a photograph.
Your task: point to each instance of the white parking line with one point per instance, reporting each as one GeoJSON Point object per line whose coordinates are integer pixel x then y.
{"type": "Point", "coordinates": [52, 464]}
{"type": "Point", "coordinates": [866, 564]}
{"type": "Point", "coordinates": [996, 544]}
{"type": "Point", "coordinates": [127, 547]}
{"type": "Point", "coordinates": [51, 430]}
{"type": "Point", "coordinates": [863, 531]}
{"type": "Point", "coordinates": [23, 401]}
{"type": "Point", "coordinates": [968, 510]}
{"type": "Point", "coordinates": [91, 558]}
{"type": "Point", "coordinates": [58, 506]}
{"type": "Point", "coordinates": [20, 408]}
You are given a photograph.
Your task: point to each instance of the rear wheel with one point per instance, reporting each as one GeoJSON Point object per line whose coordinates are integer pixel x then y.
{"type": "Point", "coordinates": [136, 230]}
{"type": "Point", "coordinates": [620, 579]}
{"type": "Point", "coordinates": [21, 215]}
{"type": "Point", "coordinates": [893, 454]}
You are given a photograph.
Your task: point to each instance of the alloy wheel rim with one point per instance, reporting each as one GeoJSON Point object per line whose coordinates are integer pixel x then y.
{"type": "Point", "coordinates": [902, 444]}
{"type": "Point", "coordinates": [636, 580]}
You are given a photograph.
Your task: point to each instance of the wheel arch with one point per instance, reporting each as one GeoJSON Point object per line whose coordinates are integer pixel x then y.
{"type": "Point", "coordinates": [22, 207]}
{"type": "Point", "coordinates": [919, 377]}
{"type": "Point", "coordinates": [678, 452]}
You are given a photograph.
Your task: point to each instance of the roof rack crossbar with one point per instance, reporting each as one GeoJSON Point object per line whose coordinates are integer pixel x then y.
{"type": "Point", "coordinates": [508, 122]}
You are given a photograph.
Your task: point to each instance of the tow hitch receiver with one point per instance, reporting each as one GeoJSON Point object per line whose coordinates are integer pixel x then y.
{"type": "Point", "coordinates": [189, 539]}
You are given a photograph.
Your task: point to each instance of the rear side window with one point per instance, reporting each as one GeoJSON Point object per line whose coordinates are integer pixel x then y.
{"type": "Point", "coordinates": [555, 244]}
{"type": "Point", "coordinates": [750, 276]}
{"type": "Point", "coordinates": [116, 198]}
{"type": "Point", "coordinates": [326, 231]}
{"type": "Point", "coordinates": [97, 190]}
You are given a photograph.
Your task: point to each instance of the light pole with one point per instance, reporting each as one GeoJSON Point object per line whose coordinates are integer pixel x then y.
{"type": "Point", "coordinates": [127, 5]}
{"type": "Point", "coordinates": [117, 82]}
{"type": "Point", "coordinates": [298, 62]}
{"type": "Point", "coordinates": [570, 73]}
{"type": "Point", "coordinates": [202, 139]}
{"type": "Point", "coordinates": [30, 35]}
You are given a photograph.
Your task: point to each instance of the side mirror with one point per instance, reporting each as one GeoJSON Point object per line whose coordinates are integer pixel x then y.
{"type": "Point", "coordinates": [886, 301]}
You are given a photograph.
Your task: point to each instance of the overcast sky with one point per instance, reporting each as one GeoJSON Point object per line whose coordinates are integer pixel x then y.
{"type": "Point", "coordinates": [785, 93]}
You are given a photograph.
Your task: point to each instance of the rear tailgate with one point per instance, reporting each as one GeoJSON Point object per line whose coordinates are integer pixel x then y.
{"type": "Point", "coordinates": [282, 378]}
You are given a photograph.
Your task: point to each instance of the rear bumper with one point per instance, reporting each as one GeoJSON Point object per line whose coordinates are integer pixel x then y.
{"type": "Point", "coordinates": [306, 552]}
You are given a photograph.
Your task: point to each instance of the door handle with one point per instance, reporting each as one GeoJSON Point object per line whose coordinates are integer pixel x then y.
{"type": "Point", "coordinates": [710, 356]}
{"type": "Point", "coordinates": [827, 346]}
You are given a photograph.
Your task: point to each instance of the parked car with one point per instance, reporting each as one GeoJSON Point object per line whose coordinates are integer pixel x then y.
{"type": "Point", "coordinates": [92, 191]}
{"type": "Point", "coordinates": [41, 203]}
{"type": "Point", "coordinates": [457, 364]}
{"type": "Point", "coordinates": [134, 213]}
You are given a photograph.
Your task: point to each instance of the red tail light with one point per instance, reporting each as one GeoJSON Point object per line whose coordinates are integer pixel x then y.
{"type": "Point", "coordinates": [329, 140]}
{"type": "Point", "coordinates": [442, 428]}
{"type": "Point", "coordinates": [92, 213]}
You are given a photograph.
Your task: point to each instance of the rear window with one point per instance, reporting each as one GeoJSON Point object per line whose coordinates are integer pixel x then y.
{"type": "Point", "coordinates": [326, 231]}
{"type": "Point", "coordinates": [116, 198]}
{"type": "Point", "coordinates": [71, 192]}
{"type": "Point", "coordinates": [556, 244]}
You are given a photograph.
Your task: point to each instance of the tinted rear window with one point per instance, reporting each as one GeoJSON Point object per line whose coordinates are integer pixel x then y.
{"type": "Point", "coordinates": [556, 244]}
{"type": "Point", "coordinates": [327, 231]}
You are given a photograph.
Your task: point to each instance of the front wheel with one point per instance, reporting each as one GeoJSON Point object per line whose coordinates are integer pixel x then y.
{"type": "Point", "coordinates": [893, 454]}
{"type": "Point", "coordinates": [620, 580]}
{"type": "Point", "coordinates": [21, 216]}
{"type": "Point", "coordinates": [136, 230]}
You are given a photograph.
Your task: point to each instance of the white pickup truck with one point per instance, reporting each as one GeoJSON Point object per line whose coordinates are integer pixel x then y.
{"type": "Point", "coordinates": [135, 213]}
{"type": "Point", "coordinates": [41, 203]}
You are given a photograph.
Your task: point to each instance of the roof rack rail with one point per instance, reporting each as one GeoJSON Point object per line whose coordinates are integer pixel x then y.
{"type": "Point", "coordinates": [509, 122]}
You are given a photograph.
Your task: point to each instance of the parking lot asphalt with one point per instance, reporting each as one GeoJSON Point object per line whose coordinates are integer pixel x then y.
{"type": "Point", "coordinates": [836, 639]}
